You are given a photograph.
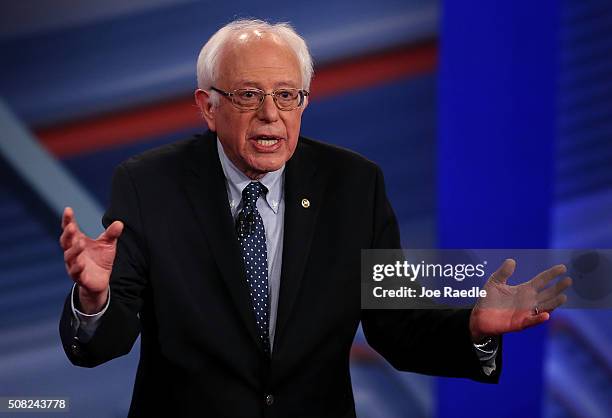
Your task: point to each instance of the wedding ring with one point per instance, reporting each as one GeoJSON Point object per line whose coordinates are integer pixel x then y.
{"type": "Point", "coordinates": [536, 311]}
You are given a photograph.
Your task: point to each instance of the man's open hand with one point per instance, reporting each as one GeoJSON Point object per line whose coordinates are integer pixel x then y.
{"type": "Point", "coordinates": [89, 261]}
{"type": "Point", "coordinates": [513, 308]}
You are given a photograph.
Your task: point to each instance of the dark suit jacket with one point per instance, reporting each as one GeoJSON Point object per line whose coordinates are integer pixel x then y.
{"type": "Point", "coordinates": [178, 280]}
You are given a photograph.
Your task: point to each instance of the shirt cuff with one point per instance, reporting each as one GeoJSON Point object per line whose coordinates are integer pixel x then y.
{"type": "Point", "coordinates": [86, 324]}
{"type": "Point", "coordinates": [487, 356]}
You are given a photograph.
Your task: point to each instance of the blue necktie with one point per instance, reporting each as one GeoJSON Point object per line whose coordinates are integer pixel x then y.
{"type": "Point", "coordinates": [252, 240]}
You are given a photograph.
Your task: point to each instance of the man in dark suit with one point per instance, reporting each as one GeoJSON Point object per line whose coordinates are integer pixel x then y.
{"type": "Point", "coordinates": [236, 255]}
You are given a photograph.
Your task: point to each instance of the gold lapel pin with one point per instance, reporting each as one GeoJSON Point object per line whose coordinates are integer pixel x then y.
{"type": "Point", "coordinates": [305, 203]}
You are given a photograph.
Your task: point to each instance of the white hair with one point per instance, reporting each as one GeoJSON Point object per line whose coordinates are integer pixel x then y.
{"type": "Point", "coordinates": [207, 67]}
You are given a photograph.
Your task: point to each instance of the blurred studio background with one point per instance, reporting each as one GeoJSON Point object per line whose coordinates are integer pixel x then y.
{"type": "Point", "coordinates": [492, 121]}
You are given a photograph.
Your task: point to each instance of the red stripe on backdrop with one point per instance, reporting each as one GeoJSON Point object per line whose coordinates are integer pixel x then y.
{"type": "Point", "coordinates": [154, 120]}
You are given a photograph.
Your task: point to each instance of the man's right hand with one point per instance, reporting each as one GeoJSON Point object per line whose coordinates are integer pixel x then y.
{"type": "Point", "coordinates": [89, 262]}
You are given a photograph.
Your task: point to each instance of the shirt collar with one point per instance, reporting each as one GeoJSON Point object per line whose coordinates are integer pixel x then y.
{"type": "Point", "coordinates": [237, 181]}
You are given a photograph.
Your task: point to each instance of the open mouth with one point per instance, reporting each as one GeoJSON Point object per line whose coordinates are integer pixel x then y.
{"type": "Point", "coordinates": [267, 141]}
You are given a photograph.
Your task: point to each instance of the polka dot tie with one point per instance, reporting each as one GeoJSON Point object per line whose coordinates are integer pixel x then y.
{"type": "Point", "coordinates": [252, 240]}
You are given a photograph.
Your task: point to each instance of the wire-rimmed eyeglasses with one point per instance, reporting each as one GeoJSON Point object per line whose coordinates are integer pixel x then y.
{"type": "Point", "coordinates": [252, 99]}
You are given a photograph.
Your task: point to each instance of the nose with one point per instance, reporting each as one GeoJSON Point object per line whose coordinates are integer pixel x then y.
{"type": "Point", "coordinates": [268, 112]}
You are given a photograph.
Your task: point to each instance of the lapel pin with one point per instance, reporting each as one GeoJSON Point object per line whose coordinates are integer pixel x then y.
{"type": "Point", "coordinates": [305, 203]}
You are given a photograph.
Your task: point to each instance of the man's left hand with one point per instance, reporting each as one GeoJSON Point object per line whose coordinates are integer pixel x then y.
{"type": "Point", "coordinates": [513, 308]}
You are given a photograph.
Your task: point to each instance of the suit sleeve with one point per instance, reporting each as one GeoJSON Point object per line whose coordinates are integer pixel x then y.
{"type": "Point", "coordinates": [429, 341]}
{"type": "Point", "coordinates": [119, 327]}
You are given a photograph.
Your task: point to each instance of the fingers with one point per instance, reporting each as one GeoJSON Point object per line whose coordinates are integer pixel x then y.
{"type": "Point", "coordinates": [541, 280]}
{"type": "Point", "coordinates": [111, 233]}
{"type": "Point", "coordinates": [68, 236]}
{"type": "Point", "coordinates": [553, 291]}
{"type": "Point", "coordinates": [71, 253]}
{"type": "Point", "coordinates": [67, 216]}
{"type": "Point", "coordinates": [72, 260]}
{"type": "Point", "coordinates": [552, 304]}
{"type": "Point", "coordinates": [76, 268]}
{"type": "Point", "coordinates": [71, 244]}
{"type": "Point", "coordinates": [544, 309]}
{"type": "Point", "coordinates": [532, 320]}
{"type": "Point", "coordinates": [504, 271]}
{"type": "Point", "coordinates": [70, 229]}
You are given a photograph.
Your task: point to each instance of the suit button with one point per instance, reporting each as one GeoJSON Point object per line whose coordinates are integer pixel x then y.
{"type": "Point", "coordinates": [75, 349]}
{"type": "Point", "coordinates": [269, 400]}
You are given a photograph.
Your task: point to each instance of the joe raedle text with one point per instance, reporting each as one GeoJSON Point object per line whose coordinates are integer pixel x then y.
{"type": "Point", "coordinates": [423, 292]}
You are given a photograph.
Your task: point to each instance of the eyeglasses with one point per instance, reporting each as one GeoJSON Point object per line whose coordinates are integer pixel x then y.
{"type": "Point", "coordinates": [252, 99]}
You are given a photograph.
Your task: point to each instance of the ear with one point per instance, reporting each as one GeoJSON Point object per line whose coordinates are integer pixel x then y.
{"type": "Point", "coordinates": [207, 110]}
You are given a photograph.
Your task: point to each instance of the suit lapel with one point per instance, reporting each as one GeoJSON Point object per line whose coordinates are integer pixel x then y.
{"type": "Point", "coordinates": [206, 191]}
{"type": "Point", "coordinates": [304, 187]}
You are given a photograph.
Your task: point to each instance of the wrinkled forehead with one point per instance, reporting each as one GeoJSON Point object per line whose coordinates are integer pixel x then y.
{"type": "Point", "coordinates": [254, 53]}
